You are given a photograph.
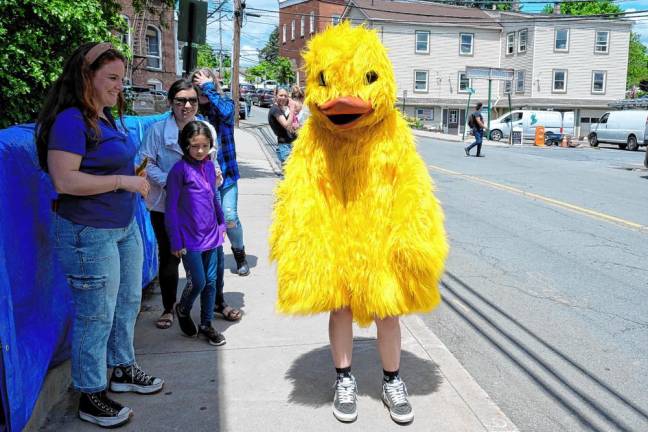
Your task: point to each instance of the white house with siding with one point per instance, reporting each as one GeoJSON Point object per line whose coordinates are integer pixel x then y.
{"type": "Point", "coordinates": [560, 62]}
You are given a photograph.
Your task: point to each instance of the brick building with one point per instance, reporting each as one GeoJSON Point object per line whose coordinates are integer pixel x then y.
{"type": "Point", "coordinates": [299, 20]}
{"type": "Point", "coordinates": [153, 43]}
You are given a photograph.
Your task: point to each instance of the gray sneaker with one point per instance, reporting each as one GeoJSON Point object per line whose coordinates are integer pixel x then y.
{"type": "Point", "coordinates": [394, 397]}
{"type": "Point", "coordinates": [344, 402]}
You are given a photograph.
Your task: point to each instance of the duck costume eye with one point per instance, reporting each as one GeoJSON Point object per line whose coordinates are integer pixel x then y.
{"type": "Point", "coordinates": [371, 77]}
{"type": "Point", "coordinates": [322, 82]}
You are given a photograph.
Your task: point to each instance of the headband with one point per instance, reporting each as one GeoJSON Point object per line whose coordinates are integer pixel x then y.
{"type": "Point", "coordinates": [96, 51]}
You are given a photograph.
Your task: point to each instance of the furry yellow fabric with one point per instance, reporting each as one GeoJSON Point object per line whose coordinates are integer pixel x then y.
{"type": "Point", "coordinates": [355, 221]}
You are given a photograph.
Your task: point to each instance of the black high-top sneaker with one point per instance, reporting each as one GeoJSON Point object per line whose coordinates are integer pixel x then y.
{"type": "Point", "coordinates": [99, 409]}
{"type": "Point", "coordinates": [242, 267]}
{"type": "Point", "coordinates": [133, 379]}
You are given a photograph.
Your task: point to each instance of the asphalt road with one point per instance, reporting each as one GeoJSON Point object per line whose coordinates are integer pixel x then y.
{"type": "Point", "coordinates": [546, 287]}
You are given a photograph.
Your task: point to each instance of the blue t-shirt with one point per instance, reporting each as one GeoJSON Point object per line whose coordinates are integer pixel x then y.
{"type": "Point", "coordinates": [112, 153]}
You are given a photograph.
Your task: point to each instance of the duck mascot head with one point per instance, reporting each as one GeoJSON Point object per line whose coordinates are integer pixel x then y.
{"type": "Point", "coordinates": [355, 221]}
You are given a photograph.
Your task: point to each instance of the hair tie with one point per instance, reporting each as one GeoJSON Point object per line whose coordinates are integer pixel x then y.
{"type": "Point", "coordinates": [94, 53]}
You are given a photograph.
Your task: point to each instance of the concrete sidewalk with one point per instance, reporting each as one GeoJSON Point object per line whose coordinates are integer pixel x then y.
{"type": "Point", "coordinates": [275, 372]}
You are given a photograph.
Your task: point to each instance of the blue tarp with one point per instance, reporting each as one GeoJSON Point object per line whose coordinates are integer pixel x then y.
{"type": "Point", "coordinates": [35, 302]}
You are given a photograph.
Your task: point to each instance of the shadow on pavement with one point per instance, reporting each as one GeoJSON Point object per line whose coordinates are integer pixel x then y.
{"type": "Point", "coordinates": [249, 171]}
{"type": "Point", "coordinates": [313, 374]}
{"type": "Point", "coordinates": [230, 263]}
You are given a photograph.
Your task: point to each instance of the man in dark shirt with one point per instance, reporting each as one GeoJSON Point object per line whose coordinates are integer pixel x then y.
{"type": "Point", "coordinates": [476, 122]}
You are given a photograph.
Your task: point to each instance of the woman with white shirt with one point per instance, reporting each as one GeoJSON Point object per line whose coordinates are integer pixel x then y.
{"type": "Point", "coordinates": [161, 148]}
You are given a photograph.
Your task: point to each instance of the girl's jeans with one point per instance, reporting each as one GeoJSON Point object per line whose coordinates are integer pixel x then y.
{"type": "Point", "coordinates": [103, 267]}
{"type": "Point", "coordinates": [202, 267]}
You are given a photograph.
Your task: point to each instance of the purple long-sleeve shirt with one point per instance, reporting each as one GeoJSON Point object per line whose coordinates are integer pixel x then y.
{"type": "Point", "coordinates": [194, 219]}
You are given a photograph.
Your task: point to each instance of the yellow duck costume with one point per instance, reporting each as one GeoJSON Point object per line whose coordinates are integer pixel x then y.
{"type": "Point", "coordinates": [355, 222]}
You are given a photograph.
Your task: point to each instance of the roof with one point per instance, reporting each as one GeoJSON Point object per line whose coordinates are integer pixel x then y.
{"type": "Point", "coordinates": [421, 12]}
{"type": "Point", "coordinates": [430, 13]}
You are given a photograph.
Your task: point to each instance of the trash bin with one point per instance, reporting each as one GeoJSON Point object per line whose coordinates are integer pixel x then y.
{"type": "Point", "coordinates": [539, 136]}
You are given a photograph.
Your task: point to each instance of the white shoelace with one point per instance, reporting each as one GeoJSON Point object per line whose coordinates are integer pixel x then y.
{"type": "Point", "coordinates": [396, 391]}
{"type": "Point", "coordinates": [345, 389]}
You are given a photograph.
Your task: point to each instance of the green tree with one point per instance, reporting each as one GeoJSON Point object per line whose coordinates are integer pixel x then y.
{"type": "Point", "coordinates": [270, 52]}
{"type": "Point", "coordinates": [596, 7]}
{"type": "Point", "coordinates": [280, 70]}
{"type": "Point", "coordinates": [482, 4]}
{"type": "Point", "coordinates": [637, 57]}
{"type": "Point", "coordinates": [38, 35]}
{"type": "Point", "coordinates": [637, 62]}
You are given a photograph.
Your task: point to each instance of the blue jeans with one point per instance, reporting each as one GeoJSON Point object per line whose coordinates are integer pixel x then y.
{"type": "Point", "coordinates": [202, 268]}
{"type": "Point", "coordinates": [283, 151]}
{"type": "Point", "coordinates": [103, 268]}
{"type": "Point", "coordinates": [479, 134]}
{"type": "Point", "coordinates": [229, 204]}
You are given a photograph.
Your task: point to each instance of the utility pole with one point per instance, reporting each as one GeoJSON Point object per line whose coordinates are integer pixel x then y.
{"type": "Point", "coordinates": [236, 48]}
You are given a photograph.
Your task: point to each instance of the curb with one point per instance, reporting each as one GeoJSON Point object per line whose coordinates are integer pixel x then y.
{"type": "Point", "coordinates": [274, 164]}
{"type": "Point", "coordinates": [482, 406]}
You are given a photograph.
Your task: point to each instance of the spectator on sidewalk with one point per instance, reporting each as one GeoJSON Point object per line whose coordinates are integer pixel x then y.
{"type": "Point", "coordinates": [196, 227]}
{"type": "Point", "coordinates": [280, 118]}
{"type": "Point", "coordinates": [219, 109]}
{"type": "Point", "coordinates": [161, 148]}
{"type": "Point", "coordinates": [476, 123]}
{"type": "Point", "coordinates": [91, 162]}
{"type": "Point", "coordinates": [296, 105]}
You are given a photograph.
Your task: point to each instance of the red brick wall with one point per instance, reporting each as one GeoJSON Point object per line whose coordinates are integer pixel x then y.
{"type": "Point", "coordinates": [137, 71]}
{"type": "Point", "coordinates": [292, 48]}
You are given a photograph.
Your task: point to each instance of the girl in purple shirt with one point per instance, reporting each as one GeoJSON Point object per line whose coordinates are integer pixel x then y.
{"type": "Point", "coordinates": [196, 227]}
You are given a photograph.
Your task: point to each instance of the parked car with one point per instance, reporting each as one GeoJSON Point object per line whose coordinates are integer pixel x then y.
{"type": "Point", "coordinates": [628, 129]}
{"type": "Point", "coordinates": [528, 120]}
{"type": "Point", "coordinates": [263, 98]}
{"type": "Point", "coordinates": [246, 89]}
{"type": "Point", "coordinates": [242, 111]}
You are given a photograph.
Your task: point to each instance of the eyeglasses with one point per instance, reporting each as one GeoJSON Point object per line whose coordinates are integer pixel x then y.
{"type": "Point", "coordinates": [183, 101]}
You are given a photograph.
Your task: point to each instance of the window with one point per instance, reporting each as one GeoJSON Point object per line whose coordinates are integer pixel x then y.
{"type": "Point", "coordinates": [422, 42]}
{"type": "Point", "coordinates": [464, 82]}
{"type": "Point", "coordinates": [603, 119]}
{"type": "Point", "coordinates": [301, 26]}
{"type": "Point", "coordinates": [312, 22]}
{"type": "Point", "coordinates": [466, 43]}
{"type": "Point", "coordinates": [126, 37]}
{"type": "Point", "coordinates": [561, 40]}
{"type": "Point", "coordinates": [292, 30]}
{"type": "Point", "coordinates": [335, 19]}
{"type": "Point", "coordinates": [420, 81]}
{"type": "Point", "coordinates": [559, 81]}
{"type": "Point", "coordinates": [598, 81]}
{"type": "Point", "coordinates": [519, 81]}
{"type": "Point", "coordinates": [426, 114]}
{"type": "Point", "coordinates": [153, 48]}
{"type": "Point", "coordinates": [602, 44]}
{"type": "Point", "coordinates": [522, 40]}
{"type": "Point", "coordinates": [510, 43]}
{"type": "Point", "coordinates": [283, 39]}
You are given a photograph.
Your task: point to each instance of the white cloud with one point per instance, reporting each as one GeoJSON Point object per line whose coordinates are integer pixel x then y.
{"type": "Point", "coordinates": [640, 25]}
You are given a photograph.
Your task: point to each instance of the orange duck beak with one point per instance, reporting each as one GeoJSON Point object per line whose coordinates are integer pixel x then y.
{"type": "Point", "coordinates": [346, 111]}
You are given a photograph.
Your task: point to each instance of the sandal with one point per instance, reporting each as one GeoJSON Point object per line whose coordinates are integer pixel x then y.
{"type": "Point", "coordinates": [228, 313]}
{"type": "Point", "coordinates": [165, 321]}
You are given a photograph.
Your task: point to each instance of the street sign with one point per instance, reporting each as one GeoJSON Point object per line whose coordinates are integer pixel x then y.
{"type": "Point", "coordinates": [489, 73]}
{"type": "Point", "coordinates": [192, 21]}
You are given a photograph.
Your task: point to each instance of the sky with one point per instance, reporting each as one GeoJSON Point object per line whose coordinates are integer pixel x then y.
{"type": "Point", "coordinates": [256, 30]}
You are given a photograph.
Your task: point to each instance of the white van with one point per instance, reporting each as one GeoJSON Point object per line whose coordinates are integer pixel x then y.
{"type": "Point", "coordinates": [628, 129]}
{"type": "Point", "coordinates": [528, 120]}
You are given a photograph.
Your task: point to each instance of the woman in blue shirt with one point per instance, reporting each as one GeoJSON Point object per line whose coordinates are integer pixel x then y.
{"type": "Point", "coordinates": [91, 163]}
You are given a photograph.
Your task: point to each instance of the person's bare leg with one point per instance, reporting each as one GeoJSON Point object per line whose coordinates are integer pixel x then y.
{"type": "Point", "coordinates": [394, 390]}
{"type": "Point", "coordinates": [341, 337]}
{"type": "Point", "coordinates": [389, 342]}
